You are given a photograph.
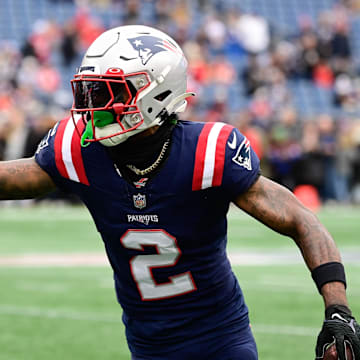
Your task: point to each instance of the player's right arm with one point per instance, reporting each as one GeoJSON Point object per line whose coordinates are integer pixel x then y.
{"type": "Point", "coordinates": [23, 179]}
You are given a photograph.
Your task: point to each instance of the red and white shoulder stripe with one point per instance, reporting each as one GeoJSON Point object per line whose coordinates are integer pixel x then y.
{"type": "Point", "coordinates": [210, 155]}
{"type": "Point", "coordinates": [67, 147]}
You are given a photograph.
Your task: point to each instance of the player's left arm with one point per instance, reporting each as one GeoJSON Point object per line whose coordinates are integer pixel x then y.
{"type": "Point", "coordinates": [276, 207]}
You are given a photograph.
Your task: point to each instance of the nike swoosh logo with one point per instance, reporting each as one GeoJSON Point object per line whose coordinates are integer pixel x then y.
{"type": "Point", "coordinates": [232, 145]}
{"type": "Point", "coordinates": [336, 315]}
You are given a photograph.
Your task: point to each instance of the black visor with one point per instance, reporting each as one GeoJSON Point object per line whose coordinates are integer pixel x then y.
{"type": "Point", "coordinates": [90, 94]}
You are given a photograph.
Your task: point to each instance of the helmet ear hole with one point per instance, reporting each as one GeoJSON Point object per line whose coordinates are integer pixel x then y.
{"type": "Point", "coordinates": [162, 96]}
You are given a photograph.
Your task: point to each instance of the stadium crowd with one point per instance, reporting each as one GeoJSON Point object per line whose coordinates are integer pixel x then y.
{"type": "Point", "coordinates": [241, 66]}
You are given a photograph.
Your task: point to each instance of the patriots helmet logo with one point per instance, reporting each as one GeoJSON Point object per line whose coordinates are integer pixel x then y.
{"type": "Point", "coordinates": [242, 156]}
{"type": "Point", "coordinates": [148, 46]}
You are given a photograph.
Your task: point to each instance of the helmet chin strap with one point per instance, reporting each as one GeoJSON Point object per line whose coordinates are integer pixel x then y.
{"type": "Point", "coordinates": [113, 129]}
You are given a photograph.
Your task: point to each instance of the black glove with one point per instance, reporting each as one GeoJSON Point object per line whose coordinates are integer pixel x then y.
{"type": "Point", "coordinates": [341, 328]}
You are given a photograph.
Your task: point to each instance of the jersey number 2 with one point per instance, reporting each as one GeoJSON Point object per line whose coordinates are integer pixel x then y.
{"type": "Point", "coordinates": [141, 266]}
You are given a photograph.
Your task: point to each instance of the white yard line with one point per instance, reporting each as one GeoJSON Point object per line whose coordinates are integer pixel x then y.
{"type": "Point", "coordinates": [54, 260]}
{"type": "Point", "coordinates": [255, 258]}
{"type": "Point", "coordinates": [74, 315]}
{"type": "Point", "coordinates": [285, 330]}
{"type": "Point", "coordinates": [67, 314]}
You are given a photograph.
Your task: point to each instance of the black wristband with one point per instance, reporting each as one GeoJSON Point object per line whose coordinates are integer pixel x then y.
{"type": "Point", "coordinates": [328, 272]}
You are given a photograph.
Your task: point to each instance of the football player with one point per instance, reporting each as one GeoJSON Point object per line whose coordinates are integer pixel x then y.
{"type": "Point", "coordinates": [158, 189]}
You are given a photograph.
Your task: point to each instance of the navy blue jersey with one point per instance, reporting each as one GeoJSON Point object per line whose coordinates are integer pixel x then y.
{"type": "Point", "coordinates": [165, 237]}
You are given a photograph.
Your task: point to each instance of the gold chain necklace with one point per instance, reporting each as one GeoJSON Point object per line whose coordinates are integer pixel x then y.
{"type": "Point", "coordinates": [154, 165]}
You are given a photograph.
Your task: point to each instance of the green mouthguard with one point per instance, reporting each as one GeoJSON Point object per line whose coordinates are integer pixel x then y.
{"type": "Point", "coordinates": [101, 119]}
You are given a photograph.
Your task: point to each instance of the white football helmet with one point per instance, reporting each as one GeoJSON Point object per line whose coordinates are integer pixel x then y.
{"type": "Point", "coordinates": [135, 72]}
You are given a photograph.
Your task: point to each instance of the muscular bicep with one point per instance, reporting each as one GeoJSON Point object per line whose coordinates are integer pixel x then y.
{"type": "Point", "coordinates": [273, 205]}
{"type": "Point", "coordinates": [278, 208]}
{"type": "Point", "coordinates": [23, 179]}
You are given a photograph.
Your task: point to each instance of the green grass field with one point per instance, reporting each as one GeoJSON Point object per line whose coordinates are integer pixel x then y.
{"type": "Point", "coordinates": [59, 311]}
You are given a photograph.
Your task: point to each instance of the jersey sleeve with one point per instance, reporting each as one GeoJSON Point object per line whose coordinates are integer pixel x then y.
{"type": "Point", "coordinates": [241, 164]}
{"type": "Point", "coordinates": [45, 156]}
{"type": "Point", "coordinates": [224, 159]}
{"type": "Point", "coordinates": [60, 154]}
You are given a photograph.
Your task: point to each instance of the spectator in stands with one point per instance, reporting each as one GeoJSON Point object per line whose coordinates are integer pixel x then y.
{"type": "Point", "coordinates": [251, 76]}
{"type": "Point", "coordinates": [253, 33]}
{"type": "Point", "coordinates": [284, 149]}
{"type": "Point", "coordinates": [309, 56]}
{"type": "Point", "coordinates": [328, 148]}
{"type": "Point", "coordinates": [309, 169]}
{"type": "Point", "coordinates": [323, 75]}
{"type": "Point", "coordinates": [345, 95]}
{"type": "Point", "coordinates": [340, 41]}
{"type": "Point", "coordinates": [68, 44]}
{"type": "Point", "coordinates": [355, 178]}
{"type": "Point", "coordinates": [87, 27]}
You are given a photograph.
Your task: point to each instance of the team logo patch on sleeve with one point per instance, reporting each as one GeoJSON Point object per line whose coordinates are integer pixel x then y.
{"type": "Point", "coordinates": [243, 155]}
{"type": "Point", "coordinates": [45, 141]}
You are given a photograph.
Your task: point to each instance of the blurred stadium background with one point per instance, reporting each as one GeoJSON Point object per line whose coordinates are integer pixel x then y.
{"type": "Point", "coordinates": [285, 72]}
